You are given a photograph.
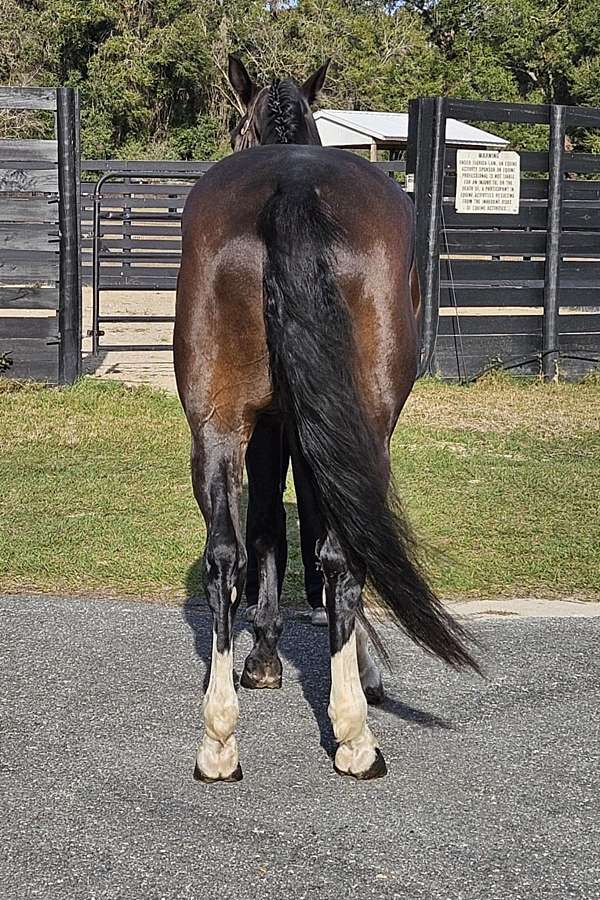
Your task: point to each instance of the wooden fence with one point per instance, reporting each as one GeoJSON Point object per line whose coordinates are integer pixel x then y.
{"type": "Point", "coordinates": [484, 269]}
{"type": "Point", "coordinates": [39, 241]}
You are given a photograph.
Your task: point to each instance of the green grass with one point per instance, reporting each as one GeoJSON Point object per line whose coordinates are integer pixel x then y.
{"type": "Point", "coordinates": [501, 480]}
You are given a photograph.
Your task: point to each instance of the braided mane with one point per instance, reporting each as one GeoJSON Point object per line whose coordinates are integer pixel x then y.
{"type": "Point", "coordinates": [283, 113]}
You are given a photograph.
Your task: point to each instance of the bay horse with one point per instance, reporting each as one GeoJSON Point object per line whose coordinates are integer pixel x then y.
{"type": "Point", "coordinates": [298, 306]}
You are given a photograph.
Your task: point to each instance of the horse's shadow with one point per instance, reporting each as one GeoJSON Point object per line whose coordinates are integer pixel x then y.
{"type": "Point", "coordinates": [306, 648]}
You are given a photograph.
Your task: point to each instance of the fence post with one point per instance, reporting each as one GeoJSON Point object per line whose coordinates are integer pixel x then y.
{"type": "Point", "coordinates": [430, 136]}
{"type": "Point", "coordinates": [69, 316]}
{"type": "Point", "coordinates": [550, 323]}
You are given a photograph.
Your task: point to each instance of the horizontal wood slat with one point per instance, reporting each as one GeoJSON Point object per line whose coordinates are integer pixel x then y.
{"type": "Point", "coordinates": [32, 358]}
{"type": "Point", "coordinates": [477, 352]}
{"type": "Point", "coordinates": [492, 324]}
{"type": "Point", "coordinates": [35, 181]}
{"type": "Point", "coordinates": [28, 327]}
{"type": "Point", "coordinates": [478, 295]}
{"type": "Point", "coordinates": [27, 151]}
{"type": "Point", "coordinates": [28, 298]}
{"type": "Point", "coordinates": [28, 268]}
{"type": "Point", "coordinates": [579, 324]}
{"type": "Point", "coordinates": [27, 98]}
{"type": "Point", "coordinates": [28, 237]}
{"type": "Point", "coordinates": [28, 209]}
{"type": "Point", "coordinates": [489, 111]}
{"type": "Point", "coordinates": [497, 271]}
{"type": "Point", "coordinates": [581, 343]}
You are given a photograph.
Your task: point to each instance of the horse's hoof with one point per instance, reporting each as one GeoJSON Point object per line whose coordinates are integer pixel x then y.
{"type": "Point", "coordinates": [236, 775]}
{"type": "Point", "coordinates": [267, 682]}
{"type": "Point", "coordinates": [377, 769]}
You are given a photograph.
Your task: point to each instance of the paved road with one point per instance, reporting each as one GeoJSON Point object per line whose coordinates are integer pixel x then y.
{"type": "Point", "coordinates": [492, 793]}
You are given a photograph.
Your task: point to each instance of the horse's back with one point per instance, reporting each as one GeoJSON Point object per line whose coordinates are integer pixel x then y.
{"type": "Point", "coordinates": [354, 189]}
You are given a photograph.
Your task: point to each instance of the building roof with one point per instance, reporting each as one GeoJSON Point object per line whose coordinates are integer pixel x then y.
{"type": "Point", "coordinates": [357, 128]}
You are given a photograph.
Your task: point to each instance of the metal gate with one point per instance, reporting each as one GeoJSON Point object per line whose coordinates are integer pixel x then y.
{"type": "Point", "coordinates": [132, 220]}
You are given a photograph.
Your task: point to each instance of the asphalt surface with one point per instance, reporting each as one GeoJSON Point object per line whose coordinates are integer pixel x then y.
{"type": "Point", "coordinates": [492, 793]}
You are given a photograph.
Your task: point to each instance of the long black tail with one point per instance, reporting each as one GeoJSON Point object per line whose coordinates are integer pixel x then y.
{"type": "Point", "coordinates": [311, 352]}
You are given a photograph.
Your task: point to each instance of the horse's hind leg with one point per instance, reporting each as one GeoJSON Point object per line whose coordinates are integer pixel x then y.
{"type": "Point", "coordinates": [217, 465]}
{"type": "Point", "coordinates": [264, 463]}
{"type": "Point", "coordinates": [357, 753]}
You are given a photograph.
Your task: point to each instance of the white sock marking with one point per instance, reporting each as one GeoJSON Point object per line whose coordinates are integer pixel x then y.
{"type": "Point", "coordinates": [348, 712]}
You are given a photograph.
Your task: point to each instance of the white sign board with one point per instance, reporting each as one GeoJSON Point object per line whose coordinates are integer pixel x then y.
{"type": "Point", "coordinates": [487, 181]}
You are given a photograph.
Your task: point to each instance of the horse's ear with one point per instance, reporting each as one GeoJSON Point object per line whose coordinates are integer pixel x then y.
{"type": "Point", "coordinates": [313, 85]}
{"type": "Point", "coordinates": [240, 80]}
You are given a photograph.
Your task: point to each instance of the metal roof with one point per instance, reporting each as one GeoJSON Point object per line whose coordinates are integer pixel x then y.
{"type": "Point", "coordinates": [358, 128]}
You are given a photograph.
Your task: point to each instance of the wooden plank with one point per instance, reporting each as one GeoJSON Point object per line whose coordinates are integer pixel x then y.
{"type": "Point", "coordinates": [583, 163]}
{"type": "Point", "coordinates": [585, 216]}
{"type": "Point", "coordinates": [531, 188]}
{"type": "Point", "coordinates": [581, 343]}
{"type": "Point", "coordinates": [28, 237]}
{"type": "Point", "coordinates": [28, 151]}
{"type": "Point", "coordinates": [478, 295]}
{"type": "Point", "coordinates": [32, 358]}
{"type": "Point", "coordinates": [477, 352]}
{"type": "Point", "coordinates": [29, 180]}
{"type": "Point", "coordinates": [490, 325]}
{"type": "Point", "coordinates": [582, 117]}
{"type": "Point", "coordinates": [489, 111]}
{"type": "Point", "coordinates": [570, 323]}
{"type": "Point", "coordinates": [531, 161]}
{"type": "Point", "coordinates": [581, 191]}
{"type": "Point", "coordinates": [518, 243]}
{"type": "Point", "coordinates": [28, 209]}
{"type": "Point", "coordinates": [164, 167]}
{"type": "Point", "coordinates": [502, 243]}
{"type": "Point", "coordinates": [531, 215]}
{"type": "Point", "coordinates": [28, 327]}
{"type": "Point", "coordinates": [27, 98]}
{"type": "Point", "coordinates": [28, 298]}
{"type": "Point", "coordinates": [580, 243]}
{"type": "Point", "coordinates": [28, 268]}
{"type": "Point", "coordinates": [579, 295]}
{"type": "Point", "coordinates": [497, 271]}
{"type": "Point", "coordinates": [576, 272]}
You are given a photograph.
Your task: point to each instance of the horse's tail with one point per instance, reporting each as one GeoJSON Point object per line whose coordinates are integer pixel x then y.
{"type": "Point", "coordinates": [310, 343]}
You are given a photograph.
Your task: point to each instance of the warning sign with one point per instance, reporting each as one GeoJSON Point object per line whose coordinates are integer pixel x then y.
{"type": "Point", "coordinates": [487, 181]}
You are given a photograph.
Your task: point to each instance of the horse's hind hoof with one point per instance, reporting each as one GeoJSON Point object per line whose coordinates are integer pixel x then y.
{"type": "Point", "coordinates": [261, 674]}
{"type": "Point", "coordinates": [236, 775]}
{"type": "Point", "coordinates": [377, 769]}
{"type": "Point", "coordinates": [268, 682]}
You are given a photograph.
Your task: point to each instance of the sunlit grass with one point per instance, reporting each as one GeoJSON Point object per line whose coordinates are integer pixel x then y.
{"type": "Point", "coordinates": [501, 480]}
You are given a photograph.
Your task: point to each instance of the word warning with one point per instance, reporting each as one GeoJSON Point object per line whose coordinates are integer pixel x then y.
{"type": "Point", "coordinates": [487, 181]}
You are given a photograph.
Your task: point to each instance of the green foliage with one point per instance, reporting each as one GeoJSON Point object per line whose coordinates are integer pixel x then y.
{"type": "Point", "coordinates": [152, 75]}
